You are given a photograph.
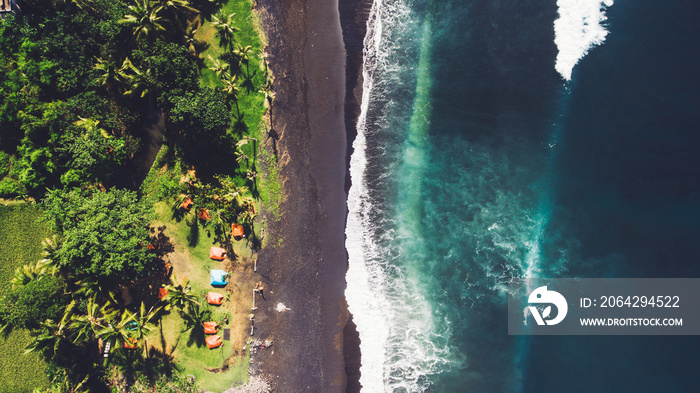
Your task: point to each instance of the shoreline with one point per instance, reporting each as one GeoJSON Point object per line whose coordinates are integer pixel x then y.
{"type": "Point", "coordinates": [305, 270]}
{"type": "Point", "coordinates": [353, 20]}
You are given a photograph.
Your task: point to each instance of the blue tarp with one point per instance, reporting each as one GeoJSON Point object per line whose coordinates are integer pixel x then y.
{"type": "Point", "coordinates": [218, 277]}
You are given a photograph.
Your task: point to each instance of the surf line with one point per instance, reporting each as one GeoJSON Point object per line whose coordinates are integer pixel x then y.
{"type": "Point", "coordinates": [364, 274]}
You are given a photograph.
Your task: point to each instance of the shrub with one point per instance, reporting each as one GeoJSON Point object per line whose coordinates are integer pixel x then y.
{"type": "Point", "coordinates": [4, 163]}
{"type": "Point", "coordinates": [11, 188]}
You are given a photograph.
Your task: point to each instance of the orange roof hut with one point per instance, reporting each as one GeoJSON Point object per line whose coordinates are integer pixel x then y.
{"type": "Point", "coordinates": [210, 328]}
{"type": "Point", "coordinates": [237, 230]}
{"type": "Point", "coordinates": [187, 204]}
{"type": "Point", "coordinates": [162, 292]}
{"type": "Point", "coordinates": [131, 343]}
{"type": "Point", "coordinates": [213, 341]}
{"type": "Point", "coordinates": [204, 214]}
{"type": "Point", "coordinates": [217, 253]}
{"type": "Point", "coordinates": [215, 298]}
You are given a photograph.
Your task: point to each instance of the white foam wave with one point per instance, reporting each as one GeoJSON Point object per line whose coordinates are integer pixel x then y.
{"type": "Point", "coordinates": [579, 28]}
{"type": "Point", "coordinates": [365, 300]}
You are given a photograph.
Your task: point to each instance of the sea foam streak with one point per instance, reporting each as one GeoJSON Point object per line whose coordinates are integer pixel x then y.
{"type": "Point", "coordinates": [577, 30]}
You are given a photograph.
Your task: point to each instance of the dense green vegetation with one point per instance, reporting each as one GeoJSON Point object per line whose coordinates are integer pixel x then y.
{"type": "Point", "coordinates": [78, 78]}
{"type": "Point", "coordinates": [20, 243]}
{"type": "Point", "coordinates": [103, 234]}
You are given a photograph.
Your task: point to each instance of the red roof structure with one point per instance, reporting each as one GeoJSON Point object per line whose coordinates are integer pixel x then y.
{"type": "Point", "coordinates": [237, 230]}
{"type": "Point", "coordinates": [217, 253]}
{"type": "Point", "coordinates": [204, 214]}
{"type": "Point", "coordinates": [210, 328]}
{"type": "Point", "coordinates": [215, 298]}
{"type": "Point", "coordinates": [187, 204]}
{"type": "Point", "coordinates": [131, 343]}
{"type": "Point", "coordinates": [213, 341]}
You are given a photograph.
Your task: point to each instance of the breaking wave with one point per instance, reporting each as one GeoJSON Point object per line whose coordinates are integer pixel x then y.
{"type": "Point", "coordinates": [579, 28]}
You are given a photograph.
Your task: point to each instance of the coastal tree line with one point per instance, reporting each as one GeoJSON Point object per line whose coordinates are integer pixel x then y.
{"type": "Point", "coordinates": [77, 79]}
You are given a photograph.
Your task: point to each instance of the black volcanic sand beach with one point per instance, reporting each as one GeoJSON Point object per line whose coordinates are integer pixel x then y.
{"type": "Point", "coordinates": [305, 270]}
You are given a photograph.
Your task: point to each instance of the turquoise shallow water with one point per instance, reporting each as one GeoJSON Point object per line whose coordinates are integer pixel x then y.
{"type": "Point", "coordinates": [476, 163]}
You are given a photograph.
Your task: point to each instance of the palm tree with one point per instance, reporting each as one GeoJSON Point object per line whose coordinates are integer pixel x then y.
{"type": "Point", "coordinates": [247, 216]}
{"type": "Point", "coordinates": [115, 329]}
{"type": "Point", "coordinates": [181, 6]}
{"type": "Point", "coordinates": [47, 265]}
{"type": "Point", "coordinates": [26, 273]}
{"type": "Point", "coordinates": [50, 246]}
{"type": "Point", "coordinates": [84, 327]}
{"type": "Point", "coordinates": [139, 81]}
{"type": "Point", "coordinates": [108, 73]}
{"type": "Point", "coordinates": [48, 339]}
{"type": "Point", "coordinates": [246, 140]}
{"type": "Point", "coordinates": [230, 192]}
{"type": "Point", "coordinates": [241, 156]}
{"type": "Point", "coordinates": [180, 296]}
{"type": "Point", "coordinates": [251, 176]}
{"type": "Point", "coordinates": [241, 53]}
{"type": "Point", "coordinates": [225, 29]}
{"type": "Point", "coordinates": [267, 90]}
{"type": "Point", "coordinates": [231, 90]}
{"type": "Point", "coordinates": [175, 9]}
{"type": "Point", "coordinates": [91, 126]}
{"type": "Point", "coordinates": [90, 287]}
{"type": "Point", "coordinates": [145, 14]}
{"type": "Point", "coordinates": [144, 323]}
{"type": "Point", "coordinates": [191, 42]}
{"type": "Point", "coordinates": [218, 67]}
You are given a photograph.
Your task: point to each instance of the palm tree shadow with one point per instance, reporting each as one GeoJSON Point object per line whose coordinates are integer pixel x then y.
{"type": "Point", "coordinates": [197, 337]}
{"type": "Point", "coordinates": [248, 83]}
{"type": "Point", "coordinates": [178, 212]}
{"type": "Point", "coordinates": [193, 234]}
{"type": "Point", "coordinates": [272, 134]}
{"type": "Point", "coordinates": [254, 241]}
{"type": "Point", "coordinates": [159, 363]}
{"type": "Point", "coordinates": [163, 343]}
{"type": "Point", "coordinates": [195, 324]}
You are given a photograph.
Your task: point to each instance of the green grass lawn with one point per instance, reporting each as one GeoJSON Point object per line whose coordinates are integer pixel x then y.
{"type": "Point", "coordinates": [251, 104]}
{"type": "Point", "coordinates": [194, 262]}
{"type": "Point", "coordinates": [20, 243]}
{"type": "Point", "coordinates": [194, 360]}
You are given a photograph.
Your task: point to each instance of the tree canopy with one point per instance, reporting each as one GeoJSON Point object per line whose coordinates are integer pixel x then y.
{"type": "Point", "coordinates": [105, 233]}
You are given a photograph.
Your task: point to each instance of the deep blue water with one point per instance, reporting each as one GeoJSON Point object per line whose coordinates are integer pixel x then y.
{"type": "Point", "coordinates": [478, 163]}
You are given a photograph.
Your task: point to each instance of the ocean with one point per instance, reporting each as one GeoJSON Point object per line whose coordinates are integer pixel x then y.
{"type": "Point", "coordinates": [503, 139]}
